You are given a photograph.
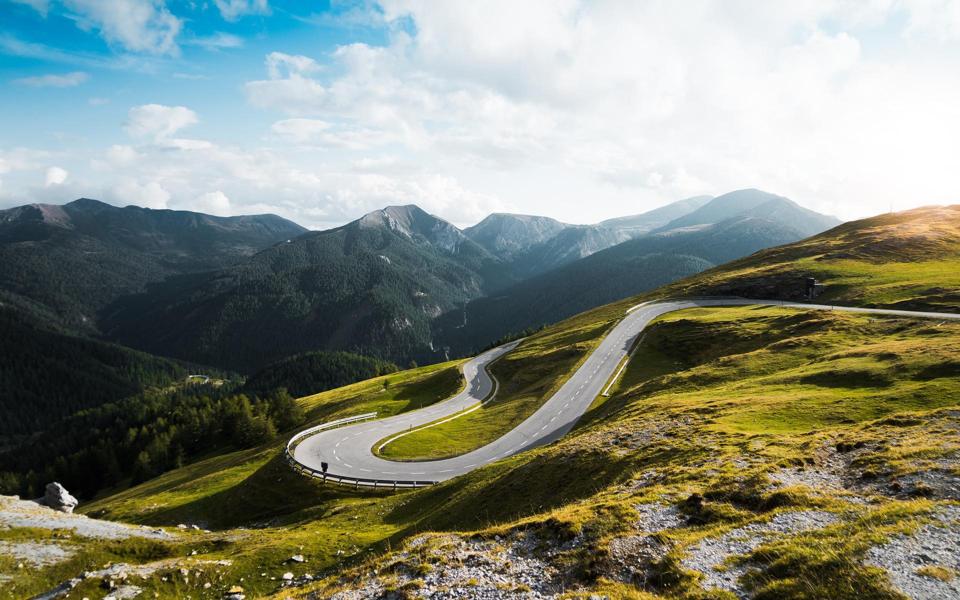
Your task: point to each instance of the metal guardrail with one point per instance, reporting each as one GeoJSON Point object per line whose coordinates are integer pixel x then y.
{"type": "Point", "coordinates": [326, 477]}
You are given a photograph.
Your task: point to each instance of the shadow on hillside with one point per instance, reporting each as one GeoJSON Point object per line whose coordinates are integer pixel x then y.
{"type": "Point", "coordinates": [271, 495]}
{"type": "Point", "coordinates": [513, 489]}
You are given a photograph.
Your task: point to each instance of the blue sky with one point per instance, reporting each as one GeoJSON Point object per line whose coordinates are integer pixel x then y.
{"type": "Point", "coordinates": [578, 110]}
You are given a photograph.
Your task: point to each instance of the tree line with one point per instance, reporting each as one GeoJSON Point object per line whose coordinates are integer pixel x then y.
{"type": "Point", "coordinates": [143, 436]}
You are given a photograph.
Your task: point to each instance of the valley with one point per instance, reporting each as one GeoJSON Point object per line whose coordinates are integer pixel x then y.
{"type": "Point", "coordinates": [766, 450]}
{"type": "Point", "coordinates": [450, 300]}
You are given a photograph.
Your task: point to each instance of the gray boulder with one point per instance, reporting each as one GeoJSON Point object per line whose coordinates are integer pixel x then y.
{"type": "Point", "coordinates": [58, 498]}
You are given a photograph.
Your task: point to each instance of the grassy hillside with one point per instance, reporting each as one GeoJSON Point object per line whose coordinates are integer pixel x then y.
{"type": "Point", "coordinates": [906, 260]}
{"type": "Point", "coordinates": [768, 452]}
{"type": "Point", "coordinates": [527, 377]}
{"type": "Point", "coordinates": [730, 418]}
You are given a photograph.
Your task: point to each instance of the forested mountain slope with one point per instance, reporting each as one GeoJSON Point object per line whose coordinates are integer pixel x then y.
{"type": "Point", "coordinates": [623, 270]}
{"type": "Point", "coordinates": [372, 286]}
{"type": "Point", "coordinates": [64, 264]}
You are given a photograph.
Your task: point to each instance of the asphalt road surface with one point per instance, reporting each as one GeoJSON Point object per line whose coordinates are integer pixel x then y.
{"type": "Point", "coordinates": [348, 450]}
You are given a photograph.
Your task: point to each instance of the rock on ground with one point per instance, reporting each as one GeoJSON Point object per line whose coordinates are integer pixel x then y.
{"type": "Point", "coordinates": [35, 553]}
{"type": "Point", "coordinates": [58, 498]}
{"type": "Point", "coordinates": [906, 557]}
{"type": "Point", "coordinates": [517, 566]}
{"type": "Point", "coordinates": [711, 553]}
{"type": "Point", "coordinates": [16, 513]}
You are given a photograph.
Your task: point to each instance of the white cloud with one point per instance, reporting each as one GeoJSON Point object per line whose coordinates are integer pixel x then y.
{"type": "Point", "coordinates": [300, 130]}
{"type": "Point", "coordinates": [120, 155]}
{"type": "Point", "coordinates": [158, 121]}
{"type": "Point", "coordinates": [55, 176]}
{"type": "Point", "coordinates": [288, 65]}
{"type": "Point", "coordinates": [213, 203]}
{"type": "Point", "coordinates": [634, 104]}
{"type": "Point", "coordinates": [130, 191]}
{"type": "Point", "coordinates": [580, 110]}
{"type": "Point", "coordinates": [135, 25]}
{"type": "Point", "coordinates": [231, 10]}
{"type": "Point", "coordinates": [65, 80]}
{"type": "Point", "coordinates": [217, 41]}
{"type": "Point", "coordinates": [41, 6]}
{"type": "Point", "coordinates": [938, 18]}
{"type": "Point", "coordinates": [21, 159]}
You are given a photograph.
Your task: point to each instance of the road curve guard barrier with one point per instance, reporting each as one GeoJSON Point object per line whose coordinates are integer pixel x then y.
{"type": "Point", "coordinates": [356, 482]}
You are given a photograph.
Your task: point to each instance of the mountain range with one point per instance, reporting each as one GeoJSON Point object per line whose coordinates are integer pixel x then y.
{"type": "Point", "coordinates": [64, 264]}
{"type": "Point", "coordinates": [397, 284]}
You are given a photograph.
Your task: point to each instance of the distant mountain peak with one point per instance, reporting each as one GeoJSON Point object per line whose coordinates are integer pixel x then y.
{"type": "Point", "coordinates": [752, 202]}
{"type": "Point", "coordinates": [506, 234]}
{"type": "Point", "coordinates": [401, 218]}
{"type": "Point", "coordinates": [412, 221]}
{"type": "Point", "coordinates": [89, 203]}
{"type": "Point", "coordinates": [658, 217]}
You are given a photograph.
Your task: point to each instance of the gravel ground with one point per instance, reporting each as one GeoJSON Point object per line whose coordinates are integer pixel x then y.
{"type": "Point", "coordinates": [116, 576]}
{"type": "Point", "coordinates": [476, 568]}
{"type": "Point", "coordinates": [816, 478]}
{"type": "Point", "coordinates": [16, 513]}
{"type": "Point", "coordinates": [656, 517]}
{"type": "Point", "coordinates": [631, 557]}
{"type": "Point", "coordinates": [934, 545]}
{"type": "Point", "coordinates": [711, 553]}
{"type": "Point", "coordinates": [36, 554]}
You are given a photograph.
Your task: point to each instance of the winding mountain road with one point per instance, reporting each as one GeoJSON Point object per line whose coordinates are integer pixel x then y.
{"type": "Point", "coordinates": [348, 450]}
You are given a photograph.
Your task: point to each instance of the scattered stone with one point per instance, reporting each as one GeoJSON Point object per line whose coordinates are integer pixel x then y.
{"type": "Point", "coordinates": [16, 513]}
{"type": "Point", "coordinates": [933, 545]}
{"type": "Point", "coordinates": [124, 592]}
{"type": "Point", "coordinates": [58, 498]}
{"type": "Point", "coordinates": [235, 593]}
{"type": "Point", "coordinates": [288, 576]}
{"type": "Point", "coordinates": [632, 556]}
{"type": "Point", "coordinates": [656, 517]}
{"type": "Point", "coordinates": [35, 553]}
{"type": "Point", "coordinates": [712, 553]}
{"type": "Point", "coordinates": [298, 558]}
{"type": "Point", "coordinates": [516, 567]}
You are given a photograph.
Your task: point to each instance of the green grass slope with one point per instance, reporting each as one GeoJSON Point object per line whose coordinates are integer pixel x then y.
{"type": "Point", "coordinates": [728, 422]}
{"type": "Point", "coordinates": [905, 260]}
